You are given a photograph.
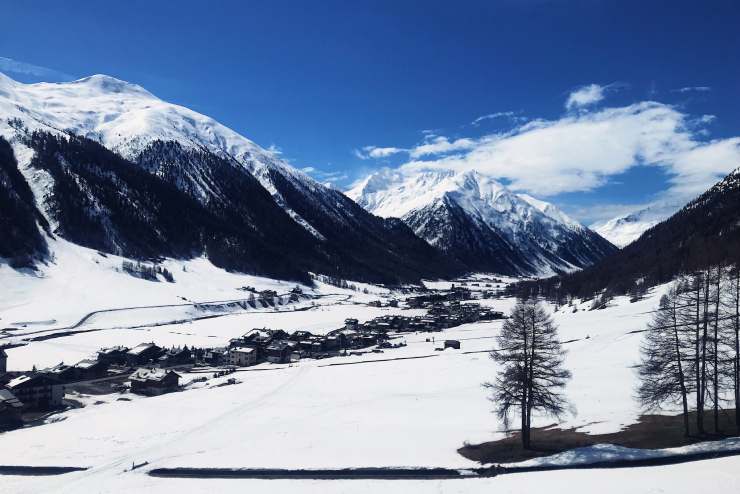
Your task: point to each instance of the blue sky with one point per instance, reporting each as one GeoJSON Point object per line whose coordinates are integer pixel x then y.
{"type": "Point", "coordinates": [598, 106]}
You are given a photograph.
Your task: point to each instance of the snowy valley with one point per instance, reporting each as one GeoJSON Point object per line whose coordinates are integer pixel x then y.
{"type": "Point", "coordinates": [185, 299]}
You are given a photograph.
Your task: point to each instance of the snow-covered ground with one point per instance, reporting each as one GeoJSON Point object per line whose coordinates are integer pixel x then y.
{"type": "Point", "coordinates": [414, 410]}
{"type": "Point", "coordinates": [80, 281]}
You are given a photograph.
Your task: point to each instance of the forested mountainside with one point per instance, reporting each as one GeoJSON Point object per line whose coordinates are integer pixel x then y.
{"type": "Point", "coordinates": [122, 171]}
{"type": "Point", "coordinates": [98, 199]}
{"type": "Point", "coordinates": [186, 202]}
{"type": "Point", "coordinates": [20, 220]}
{"type": "Point", "coordinates": [704, 233]}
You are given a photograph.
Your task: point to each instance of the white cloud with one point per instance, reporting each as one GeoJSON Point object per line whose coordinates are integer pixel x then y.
{"type": "Point", "coordinates": [274, 150]}
{"type": "Point", "coordinates": [585, 96]}
{"type": "Point", "coordinates": [581, 152]}
{"type": "Point", "coordinates": [45, 73]}
{"type": "Point", "coordinates": [376, 152]}
{"type": "Point", "coordinates": [325, 176]}
{"type": "Point", "coordinates": [584, 150]}
{"type": "Point", "coordinates": [441, 145]}
{"type": "Point", "coordinates": [694, 170]}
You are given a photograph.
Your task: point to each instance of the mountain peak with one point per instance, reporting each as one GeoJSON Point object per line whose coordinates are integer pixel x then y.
{"type": "Point", "coordinates": [108, 84]}
{"type": "Point", "coordinates": [517, 233]}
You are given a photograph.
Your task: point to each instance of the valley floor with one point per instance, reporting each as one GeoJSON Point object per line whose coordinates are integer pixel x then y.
{"type": "Point", "coordinates": [406, 407]}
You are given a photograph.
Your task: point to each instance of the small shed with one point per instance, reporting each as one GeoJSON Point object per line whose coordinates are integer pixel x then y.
{"type": "Point", "coordinates": [452, 344]}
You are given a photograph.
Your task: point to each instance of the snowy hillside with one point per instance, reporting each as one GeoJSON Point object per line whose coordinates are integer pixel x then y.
{"type": "Point", "coordinates": [627, 228]}
{"type": "Point", "coordinates": [238, 204]}
{"type": "Point", "coordinates": [472, 216]}
{"type": "Point", "coordinates": [122, 116]}
{"type": "Point", "coordinates": [408, 407]}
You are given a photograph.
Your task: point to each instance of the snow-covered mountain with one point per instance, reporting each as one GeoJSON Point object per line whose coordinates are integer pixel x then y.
{"type": "Point", "coordinates": [625, 229]}
{"type": "Point", "coordinates": [165, 180]}
{"type": "Point", "coordinates": [481, 222]}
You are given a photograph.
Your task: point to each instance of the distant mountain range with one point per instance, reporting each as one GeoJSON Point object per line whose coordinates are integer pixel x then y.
{"type": "Point", "coordinates": [107, 165]}
{"type": "Point", "coordinates": [624, 229]}
{"type": "Point", "coordinates": [481, 223]}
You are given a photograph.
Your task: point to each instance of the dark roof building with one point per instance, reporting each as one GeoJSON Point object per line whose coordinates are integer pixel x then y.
{"type": "Point", "coordinates": [37, 391]}
{"type": "Point", "coordinates": [10, 409]}
{"type": "Point", "coordinates": [142, 354]}
{"type": "Point", "coordinates": [154, 381]}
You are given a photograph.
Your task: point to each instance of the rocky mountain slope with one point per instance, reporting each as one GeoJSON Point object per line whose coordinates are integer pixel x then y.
{"type": "Point", "coordinates": [481, 223]}
{"type": "Point", "coordinates": [113, 167]}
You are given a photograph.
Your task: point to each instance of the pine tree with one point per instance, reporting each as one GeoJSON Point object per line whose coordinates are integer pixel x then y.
{"type": "Point", "coordinates": [532, 373]}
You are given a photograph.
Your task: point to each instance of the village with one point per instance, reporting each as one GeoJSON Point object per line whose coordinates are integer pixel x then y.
{"type": "Point", "coordinates": [28, 397]}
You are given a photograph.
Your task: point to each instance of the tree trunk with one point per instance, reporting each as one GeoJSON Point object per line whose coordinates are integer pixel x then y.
{"type": "Point", "coordinates": [736, 377]}
{"type": "Point", "coordinates": [697, 358]}
{"type": "Point", "coordinates": [530, 384]}
{"type": "Point", "coordinates": [705, 334]}
{"type": "Point", "coordinates": [681, 380]}
{"type": "Point", "coordinates": [716, 352]}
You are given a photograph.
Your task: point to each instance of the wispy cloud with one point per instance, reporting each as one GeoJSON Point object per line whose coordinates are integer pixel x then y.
{"type": "Point", "coordinates": [11, 66]}
{"type": "Point", "coordinates": [441, 145]}
{"type": "Point", "coordinates": [693, 89]}
{"type": "Point", "coordinates": [274, 150]}
{"type": "Point", "coordinates": [375, 152]}
{"type": "Point", "coordinates": [492, 116]}
{"type": "Point", "coordinates": [585, 96]}
{"type": "Point", "coordinates": [327, 177]}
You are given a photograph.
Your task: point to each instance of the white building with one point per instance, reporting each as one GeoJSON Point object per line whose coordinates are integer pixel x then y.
{"type": "Point", "coordinates": [242, 356]}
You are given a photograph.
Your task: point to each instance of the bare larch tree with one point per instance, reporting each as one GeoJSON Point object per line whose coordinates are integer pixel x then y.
{"type": "Point", "coordinates": [532, 375]}
{"type": "Point", "coordinates": [665, 350]}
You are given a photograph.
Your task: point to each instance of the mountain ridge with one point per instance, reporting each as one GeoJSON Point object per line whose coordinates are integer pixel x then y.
{"type": "Point", "coordinates": [516, 234]}
{"type": "Point", "coordinates": [202, 160]}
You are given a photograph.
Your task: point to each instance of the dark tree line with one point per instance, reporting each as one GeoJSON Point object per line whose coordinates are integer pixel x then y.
{"type": "Point", "coordinates": [147, 271]}
{"type": "Point", "coordinates": [21, 222]}
{"type": "Point", "coordinates": [691, 349]}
